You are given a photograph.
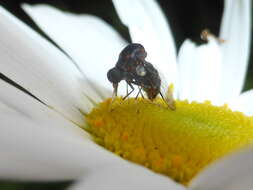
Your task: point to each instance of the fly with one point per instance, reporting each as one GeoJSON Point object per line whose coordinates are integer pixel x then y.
{"type": "Point", "coordinates": [135, 70]}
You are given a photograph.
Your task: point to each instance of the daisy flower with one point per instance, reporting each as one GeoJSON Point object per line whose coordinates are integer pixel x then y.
{"type": "Point", "coordinates": [43, 136]}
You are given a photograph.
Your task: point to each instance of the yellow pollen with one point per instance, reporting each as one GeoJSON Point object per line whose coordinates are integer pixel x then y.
{"type": "Point", "coordinates": [174, 143]}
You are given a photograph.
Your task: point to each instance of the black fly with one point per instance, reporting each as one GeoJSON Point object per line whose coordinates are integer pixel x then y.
{"type": "Point", "coordinates": [134, 69]}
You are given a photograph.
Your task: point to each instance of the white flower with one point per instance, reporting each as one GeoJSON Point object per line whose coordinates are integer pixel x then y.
{"type": "Point", "coordinates": [40, 140]}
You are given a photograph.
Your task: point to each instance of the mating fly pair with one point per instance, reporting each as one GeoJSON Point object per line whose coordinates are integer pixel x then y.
{"type": "Point", "coordinates": [135, 70]}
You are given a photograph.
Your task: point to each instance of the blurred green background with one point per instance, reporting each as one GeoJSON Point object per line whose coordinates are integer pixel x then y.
{"type": "Point", "coordinates": [187, 19]}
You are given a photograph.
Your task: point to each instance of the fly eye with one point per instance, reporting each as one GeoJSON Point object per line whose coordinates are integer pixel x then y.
{"type": "Point", "coordinates": [140, 70]}
{"type": "Point", "coordinates": [114, 75]}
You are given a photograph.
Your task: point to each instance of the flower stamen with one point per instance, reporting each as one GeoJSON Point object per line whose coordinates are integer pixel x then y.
{"type": "Point", "coordinates": [178, 143]}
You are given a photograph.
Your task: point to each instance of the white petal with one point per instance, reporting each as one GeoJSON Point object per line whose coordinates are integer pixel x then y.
{"type": "Point", "coordinates": [148, 26]}
{"type": "Point", "coordinates": [232, 173]}
{"type": "Point", "coordinates": [125, 177]}
{"type": "Point", "coordinates": [186, 68]}
{"type": "Point", "coordinates": [235, 30]}
{"type": "Point", "coordinates": [38, 144]}
{"type": "Point", "coordinates": [243, 103]}
{"type": "Point", "coordinates": [35, 111]}
{"type": "Point", "coordinates": [42, 69]}
{"type": "Point", "coordinates": [92, 43]}
{"type": "Point", "coordinates": [35, 139]}
{"type": "Point", "coordinates": [29, 151]}
{"type": "Point", "coordinates": [200, 69]}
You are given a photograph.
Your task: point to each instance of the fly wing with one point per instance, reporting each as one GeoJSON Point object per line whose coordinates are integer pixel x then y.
{"type": "Point", "coordinates": [166, 92]}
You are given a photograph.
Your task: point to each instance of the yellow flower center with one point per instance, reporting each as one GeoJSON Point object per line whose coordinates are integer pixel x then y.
{"type": "Point", "coordinates": [174, 143]}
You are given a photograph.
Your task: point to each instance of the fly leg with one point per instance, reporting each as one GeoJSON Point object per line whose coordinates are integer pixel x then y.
{"type": "Point", "coordinates": [114, 95]}
{"type": "Point", "coordinates": [169, 101]}
{"type": "Point", "coordinates": [139, 92]}
{"type": "Point", "coordinates": [142, 94]}
{"type": "Point", "coordinates": [132, 89]}
{"type": "Point", "coordinates": [115, 91]}
{"type": "Point", "coordinates": [126, 88]}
